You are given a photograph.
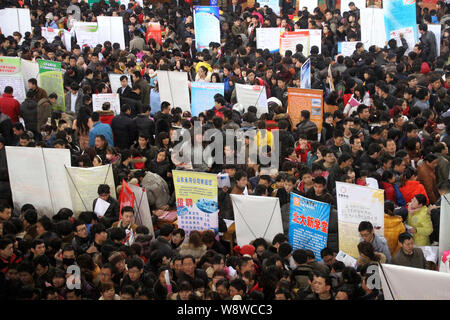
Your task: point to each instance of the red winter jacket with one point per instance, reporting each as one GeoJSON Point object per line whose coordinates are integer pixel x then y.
{"type": "Point", "coordinates": [411, 188]}
{"type": "Point", "coordinates": [389, 191]}
{"type": "Point", "coordinates": [10, 107]}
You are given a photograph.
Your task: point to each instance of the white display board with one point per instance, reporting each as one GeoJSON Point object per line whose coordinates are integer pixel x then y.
{"type": "Point", "coordinates": [256, 217]}
{"type": "Point", "coordinates": [405, 283]}
{"type": "Point", "coordinates": [372, 27]}
{"type": "Point", "coordinates": [248, 95]}
{"type": "Point", "coordinates": [12, 20]}
{"type": "Point", "coordinates": [268, 38]}
{"type": "Point", "coordinates": [174, 88]}
{"type": "Point", "coordinates": [37, 176]}
{"type": "Point", "coordinates": [83, 185]}
{"type": "Point", "coordinates": [99, 99]}
{"type": "Point", "coordinates": [310, 4]}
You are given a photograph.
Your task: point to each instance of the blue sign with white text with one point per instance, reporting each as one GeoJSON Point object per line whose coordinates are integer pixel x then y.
{"type": "Point", "coordinates": [308, 224]}
{"type": "Point", "coordinates": [207, 26]}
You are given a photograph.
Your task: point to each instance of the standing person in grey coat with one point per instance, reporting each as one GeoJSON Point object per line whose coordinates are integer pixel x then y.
{"type": "Point", "coordinates": [29, 113]}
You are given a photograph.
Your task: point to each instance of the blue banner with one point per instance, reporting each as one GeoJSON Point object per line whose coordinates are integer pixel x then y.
{"type": "Point", "coordinates": [308, 224]}
{"type": "Point", "coordinates": [202, 96]}
{"type": "Point", "coordinates": [400, 17]}
{"type": "Point", "coordinates": [207, 26]}
{"type": "Point", "coordinates": [305, 75]}
{"type": "Point", "coordinates": [213, 3]}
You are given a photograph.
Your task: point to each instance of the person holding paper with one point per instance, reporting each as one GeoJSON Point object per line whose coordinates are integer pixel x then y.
{"type": "Point", "coordinates": [127, 223]}
{"type": "Point", "coordinates": [104, 193]}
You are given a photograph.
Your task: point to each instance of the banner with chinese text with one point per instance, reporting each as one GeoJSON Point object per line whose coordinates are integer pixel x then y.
{"type": "Point", "coordinates": [206, 26]}
{"type": "Point", "coordinates": [305, 99]}
{"type": "Point", "coordinates": [308, 224]}
{"type": "Point", "coordinates": [11, 75]}
{"type": "Point", "coordinates": [51, 80]}
{"type": "Point", "coordinates": [196, 198]}
{"type": "Point", "coordinates": [355, 204]}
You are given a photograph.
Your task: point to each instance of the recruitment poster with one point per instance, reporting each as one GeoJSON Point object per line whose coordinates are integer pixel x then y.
{"type": "Point", "coordinates": [51, 80]}
{"type": "Point", "coordinates": [154, 32]}
{"type": "Point", "coordinates": [355, 204]}
{"type": "Point", "coordinates": [11, 75]}
{"type": "Point", "coordinates": [268, 38]}
{"type": "Point", "coordinates": [206, 26]}
{"type": "Point", "coordinates": [400, 17]}
{"type": "Point", "coordinates": [305, 99]}
{"type": "Point", "coordinates": [308, 224]}
{"type": "Point", "coordinates": [99, 99]}
{"type": "Point", "coordinates": [347, 48]}
{"type": "Point", "coordinates": [202, 96]}
{"type": "Point", "coordinates": [289, 41]}
{"type": "Point", "coordinates": [86, 33]}
{"type": "Point", "coordinates": [196, 198]}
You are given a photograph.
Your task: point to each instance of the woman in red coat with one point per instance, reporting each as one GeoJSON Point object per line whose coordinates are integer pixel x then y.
{"type": "Point", "coordinates": [409, 185]}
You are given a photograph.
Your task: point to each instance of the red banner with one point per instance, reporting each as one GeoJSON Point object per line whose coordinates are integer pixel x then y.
{"type": "Point", "coordinates": [154, 32]}
{"type": "Point", "coordinates": [126, 198]}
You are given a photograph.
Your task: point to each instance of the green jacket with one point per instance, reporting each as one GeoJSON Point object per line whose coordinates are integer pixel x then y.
{"type": "Point", "coordinates": [421, 221]}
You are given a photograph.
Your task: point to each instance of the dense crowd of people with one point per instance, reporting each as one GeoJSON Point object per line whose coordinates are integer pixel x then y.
{"type": "Point", "coordinates": [387, 121]}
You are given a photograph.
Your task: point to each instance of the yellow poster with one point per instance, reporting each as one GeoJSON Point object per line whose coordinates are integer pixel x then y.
{"type": "Point", "coordinates": [355, 204]}
{"type": "Point", "coordinates": [196, 197]}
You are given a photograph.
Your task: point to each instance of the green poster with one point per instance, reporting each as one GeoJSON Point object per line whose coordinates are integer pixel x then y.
{"type": "Point", "coordinates": [91, 2]}
{"type": "Point", "coordinates": [11, 75]}
{"type": "Point", "coordinates": [52, 81]}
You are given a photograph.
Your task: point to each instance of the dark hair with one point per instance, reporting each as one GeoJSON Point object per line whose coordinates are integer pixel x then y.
{"type": "Point", "coordinates": [365, 226]}
{"type": "Point", "coordinates": [404, 236]}
{"type": "Point", "coordinates": [239, 284]}
{"type": "Point", "coordinates": [421, 199]}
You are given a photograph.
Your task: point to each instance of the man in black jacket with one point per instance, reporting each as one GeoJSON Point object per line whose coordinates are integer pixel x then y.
{"type": "Point", "coordinates": [104, 193]}
{"type": "Point", "coordinates": [145, 125]}
{"type": "Point", "coordinates": [125, 89]}
{"type": "Point", "coordinates": [133, 99]}
{"type": "Point", "coordinates": [6, 130]}
{"type": "Point", "coordinates": [162, 242]}
{"type": "Point", "coordinates": [428, 40]}
{"type": "Point", "coordinates": [124, 128]}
